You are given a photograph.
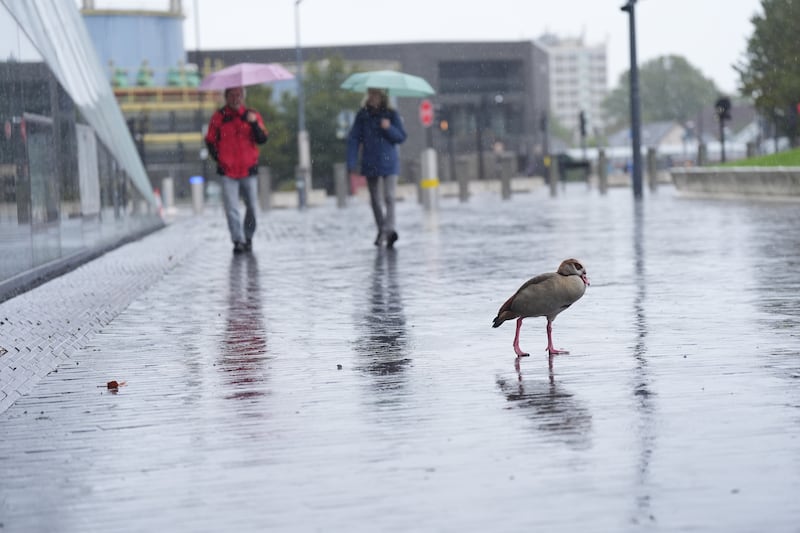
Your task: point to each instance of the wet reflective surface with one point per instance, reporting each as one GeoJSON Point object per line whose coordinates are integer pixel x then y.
{"type": "Point", "coordinates": [323, 384]}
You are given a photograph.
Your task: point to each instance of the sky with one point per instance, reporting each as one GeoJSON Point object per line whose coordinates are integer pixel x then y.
{"type": "Point", "coordinates": [711, 34]}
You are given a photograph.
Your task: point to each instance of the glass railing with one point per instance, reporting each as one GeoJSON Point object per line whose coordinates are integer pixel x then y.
{"type": "Point", "coordinates": [70, 178]}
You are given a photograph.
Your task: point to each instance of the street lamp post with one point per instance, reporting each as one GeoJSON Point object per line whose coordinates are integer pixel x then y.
{"type": "Point", "coordinates": [304, 163]}
{"type": "Point", "coordinates": [635, 105]}
{"type": "Point", "coordinates": [199, 58]}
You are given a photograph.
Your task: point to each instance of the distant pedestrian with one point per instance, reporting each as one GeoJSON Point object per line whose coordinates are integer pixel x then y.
{"type": "Point", "coordinates": [234, 134]}
{"type": "Point", "coordinates": [377, 130]}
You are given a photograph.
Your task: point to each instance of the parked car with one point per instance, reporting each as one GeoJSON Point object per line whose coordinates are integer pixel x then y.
{"type": "Point", "coordinates": [570, 168]}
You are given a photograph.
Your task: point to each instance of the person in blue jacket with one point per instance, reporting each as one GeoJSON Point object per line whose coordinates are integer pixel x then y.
{"type": "Point", "coordinates": [377, 130]}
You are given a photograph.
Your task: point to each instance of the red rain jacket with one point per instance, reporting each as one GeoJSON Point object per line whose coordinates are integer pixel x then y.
{"type": "Point", "coordinates": [232, 141]}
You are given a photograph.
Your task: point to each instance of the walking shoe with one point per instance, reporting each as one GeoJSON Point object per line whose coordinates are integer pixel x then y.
{"type": "Point", "coordinates": [238, 247]}
{"type": "Point", "coordinates": [378, 239]}
{"type": "Point", "coordinates": [248, 245]}
{"type": "Point", "coordinates": [391, 239]}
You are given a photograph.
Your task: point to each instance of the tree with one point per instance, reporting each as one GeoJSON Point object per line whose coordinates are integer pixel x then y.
{"type": "Point", "coordinates": [324, 101]}
{"type": "Point", "coordinates": [558, 130]}
{"type": "Point", "coordinates": [769, 72]}
{"type": "Point", "coordinates": [670, 88]}
{"type": "Point", "coordinates": [260, 98]}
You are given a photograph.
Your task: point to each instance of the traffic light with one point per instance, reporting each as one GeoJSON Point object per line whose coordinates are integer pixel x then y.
{"type": "Point", "coordinates": [443, 118]}
{"type": "Point", "coordinates": [723, 107]}
{"type": "Point", "coordinates": [582, 120]}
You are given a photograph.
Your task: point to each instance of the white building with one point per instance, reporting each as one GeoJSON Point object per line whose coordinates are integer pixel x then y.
{"type": "Point", "coordinates": [578, 81]}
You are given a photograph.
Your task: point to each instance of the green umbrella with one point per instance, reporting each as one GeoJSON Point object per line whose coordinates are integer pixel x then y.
{"type": "Point", "coordinates": [397, 83]}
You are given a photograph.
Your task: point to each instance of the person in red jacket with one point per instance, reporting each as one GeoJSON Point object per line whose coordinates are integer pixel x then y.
{"type": "Point", "coordinates": [233, 136]}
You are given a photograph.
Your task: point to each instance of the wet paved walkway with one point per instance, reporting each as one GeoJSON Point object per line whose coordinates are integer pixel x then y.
{"type": "Point", "coordinates": [323, 385]}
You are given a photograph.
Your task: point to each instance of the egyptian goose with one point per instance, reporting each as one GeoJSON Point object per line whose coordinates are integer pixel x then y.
{"type": "Point", "coordinates": [545, 295]}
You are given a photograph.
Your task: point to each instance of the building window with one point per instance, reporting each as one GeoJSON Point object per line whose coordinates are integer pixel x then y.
{"type": "Point", "coordinates": [476, 77]}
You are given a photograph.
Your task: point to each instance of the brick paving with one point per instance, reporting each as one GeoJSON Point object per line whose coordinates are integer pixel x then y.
{"type": "Point", "coordinates": [41, 328]}
{"type": "Point", "coordinates": [320, 384]}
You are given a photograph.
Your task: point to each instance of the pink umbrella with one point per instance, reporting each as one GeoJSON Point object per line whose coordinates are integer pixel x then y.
{"type": "Point", "coordinates": [243, 74]}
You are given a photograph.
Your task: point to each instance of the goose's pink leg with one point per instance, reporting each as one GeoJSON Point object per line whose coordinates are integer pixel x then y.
{"type": "Point", "coordinates": [550, 349]}
{"type": "Point", "coordinates": [517, 349]}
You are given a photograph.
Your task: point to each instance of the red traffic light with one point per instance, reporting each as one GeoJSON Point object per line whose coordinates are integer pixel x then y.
{"type": "Point", "coordinates": [426, 112]}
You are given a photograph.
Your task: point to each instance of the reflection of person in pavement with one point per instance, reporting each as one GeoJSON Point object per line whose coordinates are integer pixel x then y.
{"type": "Point", "coordinates": [551, 408]}
{"type": "Point", "coordinates": [244, 347]}
{"type": "Point", "coordinates": [383, 341]}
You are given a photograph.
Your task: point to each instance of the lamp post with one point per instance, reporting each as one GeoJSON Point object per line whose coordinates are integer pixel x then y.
{"type": "Point", "coordinates": [636, 135]}
{"type": "Point", "coordinates": [199, 58]}
{"type": "Point", "coordinates": [304, 162]}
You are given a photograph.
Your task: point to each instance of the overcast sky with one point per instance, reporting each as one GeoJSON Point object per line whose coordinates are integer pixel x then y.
{"type": "Point", "coordinates": [711, 34]}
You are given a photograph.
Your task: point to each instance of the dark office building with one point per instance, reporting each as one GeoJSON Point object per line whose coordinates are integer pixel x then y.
{"type": "Point", "coordinates": [494, 95]}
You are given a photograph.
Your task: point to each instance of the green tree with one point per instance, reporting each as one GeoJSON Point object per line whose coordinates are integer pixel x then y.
{"type": "Point", "coordinates": [670, 88]}
{"type": "Point", "coordinates": [770, 70]}
{"type": "Point", "coordinates": [324, 100]}
{"type": "Point", "coordinates": [557, 130]}
{"type": "Point", "coordinates": [282, 136]}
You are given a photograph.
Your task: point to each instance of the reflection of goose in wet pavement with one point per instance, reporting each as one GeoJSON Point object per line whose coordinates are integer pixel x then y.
{"type": "Point", "coordinates": [552, 409]}
{"type": "Point", "coordinates": [382, 339]}
{"type": "Point", "coordinates": [244, 346]}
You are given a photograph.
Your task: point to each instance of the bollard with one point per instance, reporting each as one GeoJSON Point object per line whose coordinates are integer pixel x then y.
{"type": "Point", "coordinates": [264, 188]}
{"type": "Point", "coordinates": [159, 203]}
{"type": "Point", "coordinates": [198, 190]}
{"type": "Point", "coordinates": [168, 194]}
{"type": "Point", "coordinates": [553, 175]}
{"type": "Point", "coordinates": [702, 155]}
{"type": "Point", "coordinates": [602, 172]}
{"type": "Point", "coordinates": [652, 169]}
{"type": "Point", "coordinates": [340, 183]}
{"type": "Point", "coordinates": [429, 183]}
{"type": "Point", "coordinates": [463, 181]}
{"type": "Point", "coordinates": [504, 164]}
{"type": "Point", "coordinates": [301, 184]}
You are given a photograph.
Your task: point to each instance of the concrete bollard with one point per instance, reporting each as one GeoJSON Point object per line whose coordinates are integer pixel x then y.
{"type": "Point", "coordinates": [168, 194]}
{"type": "Point", "coordinates": [504, 164]}
{"type": "Point", "coordinates": [553, 176]}
{"type": "Point", "coordinates": [264, 188]}
{"type": "Point", "coordinates": [602, 172]}
{"type": "Point", "coordinates": [429, 182]}
{"type": "Point", "coordinates": [340, 183]}
{"type": "Point", "coordinates": [702, 155]}
{"type": "Point", "coordinates": [652, 169]}
{"type": "Point", "coordinates": [462, 167]}
{"type": "Point", "coordinates": [197, 184]}
{"type": "Point", "coordinates": [301, 185]}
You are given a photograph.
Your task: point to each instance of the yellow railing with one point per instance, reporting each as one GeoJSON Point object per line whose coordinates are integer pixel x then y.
{"type": "Point", "coordinates": [191, 137]}
{"type": "Point", "coordinates": [165, 107]}
{"type": "Point", "coordinates": [165, 99]}
{"type": "Point", "coordinates": [164, 94]}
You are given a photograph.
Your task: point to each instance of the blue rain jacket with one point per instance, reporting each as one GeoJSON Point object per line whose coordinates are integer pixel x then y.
{"type": "Point", "coordinates": [379, 146]}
